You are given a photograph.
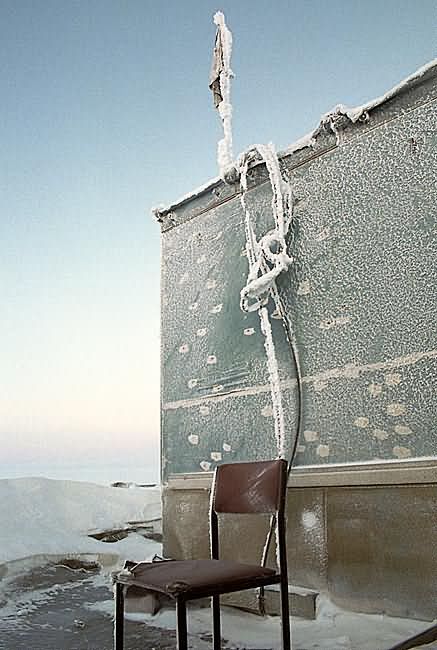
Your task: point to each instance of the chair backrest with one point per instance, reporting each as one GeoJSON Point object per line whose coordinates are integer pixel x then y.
{"type": "Point", "coordinates": [254, 487]}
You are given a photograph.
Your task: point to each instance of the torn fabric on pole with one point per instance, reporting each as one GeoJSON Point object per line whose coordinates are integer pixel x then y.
{"type": "Point", "coordinates": [217, 67]}
{"type": "Point", "coordinates": [220, 84]}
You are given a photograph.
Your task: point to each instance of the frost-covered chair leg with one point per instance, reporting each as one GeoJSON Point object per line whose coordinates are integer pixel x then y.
{"type": "Point", "coordinates": [119, 616]}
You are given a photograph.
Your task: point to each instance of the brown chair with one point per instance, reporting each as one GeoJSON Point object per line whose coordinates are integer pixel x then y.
{"type": "Point", "coordinates": [257, 487]}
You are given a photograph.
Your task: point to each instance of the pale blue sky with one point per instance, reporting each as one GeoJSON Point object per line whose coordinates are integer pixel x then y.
{"type": "Point", "coordinates": [105, 112]}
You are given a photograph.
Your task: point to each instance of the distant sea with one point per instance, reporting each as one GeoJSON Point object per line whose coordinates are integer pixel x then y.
{"type": "Point", "coordinates": [90, 473]}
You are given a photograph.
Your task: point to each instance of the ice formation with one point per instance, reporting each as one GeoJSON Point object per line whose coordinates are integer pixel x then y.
{"type": "Point", "coordinates": [267, 259]}
{"type": "Point", "coordinates": [308, 140]}
{"type": "Point", "coordinates": [224, 148]}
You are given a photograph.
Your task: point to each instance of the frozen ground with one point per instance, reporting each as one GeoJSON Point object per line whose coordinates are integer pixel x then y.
{"type": "Point", "coordinates": [55, 586]}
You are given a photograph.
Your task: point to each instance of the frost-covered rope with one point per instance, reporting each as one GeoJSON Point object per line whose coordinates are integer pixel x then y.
{"type": "Point", "coordinates": [267, 258]}
{"type": "Point", "coordinates": [223, 50]}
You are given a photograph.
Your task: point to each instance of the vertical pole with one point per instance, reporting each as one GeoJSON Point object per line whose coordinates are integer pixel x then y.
{"type": "Point", "coordinates": [119, 616]}
{"type": "Point", "coordinates": [216, 632]}
{"type": "Point", "coordinates": [181, 629]}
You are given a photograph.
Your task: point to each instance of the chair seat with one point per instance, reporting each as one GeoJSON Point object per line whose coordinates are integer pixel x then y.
{"type": "Point", "coordinates": [197, 577]}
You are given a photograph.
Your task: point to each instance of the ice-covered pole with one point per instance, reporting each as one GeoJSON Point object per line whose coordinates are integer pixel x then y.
{"type": "Point", "coordinates": [220, 84]}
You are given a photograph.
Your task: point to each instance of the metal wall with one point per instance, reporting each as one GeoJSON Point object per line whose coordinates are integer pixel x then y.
{"type": "Point", "coordinates": [360, 299]}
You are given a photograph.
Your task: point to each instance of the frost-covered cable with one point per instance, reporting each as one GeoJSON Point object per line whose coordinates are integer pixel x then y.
{"type": "Point", "coordinates": [224, 147]}
{"type": "Point", "coordinates": [267, 259]}
{"type": "Point", "coordinates": [269, 254]}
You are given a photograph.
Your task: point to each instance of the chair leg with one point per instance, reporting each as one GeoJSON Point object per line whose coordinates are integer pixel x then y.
{"type": "Point", "coordinates": [285, 616]}
{"type": "Point", "coordinates": [119, 617]}
{"type": "Point", "coordinates": [181, 629]}
{"type": "Point", "coordinates": [216, 631]}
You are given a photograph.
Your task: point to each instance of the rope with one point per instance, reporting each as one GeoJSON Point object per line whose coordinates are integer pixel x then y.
{"type": "Point", "coordinates": [268, 258]}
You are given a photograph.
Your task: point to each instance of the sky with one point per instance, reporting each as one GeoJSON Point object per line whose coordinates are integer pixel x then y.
{"type": "Point", "coordinates": [105, 112]}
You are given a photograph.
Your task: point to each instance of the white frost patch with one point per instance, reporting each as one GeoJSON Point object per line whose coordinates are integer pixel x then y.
{"type": "Point", "coordinates": [217, 388]}
{"type": "Point", "coordinates": [393, 379]}
{"type": "Point", "coordinates": [201, 259]}
{"type": "Point", "coordinates": [374, 389]}
{"type": "Point", "coordinates": [323, 234]}
{"type": "Point", "coordinates": [216, 455]}
{"type": "Point", "coordinates": [193, 306]}
{"type": "Point", "coordinates": [184, 348]}
{"type": "Point", "coordinates": [249, 331]}
{"type": "Point", "coordinates": [184, 278]}
{"type": "Point", "coordinates": [205, 465]}
{"type": "Point", "coordinates": [403, 430]}
{"type": "Point", "coordinates": [267, 411]}
{"type": "Point", "coordinates": [396, 409]}
{"type": "Point", "coordinates": [304, 288]}
{"type": "Point", "coordinates": [309, 519]}
{"type": "Point", "coordinates": [380, 434]}
{"type": "Point", "coordinates": [351, 371]}
{"type": "Point", "coordinates": [211, 284]}
{"type": "Point", "coordinates": [361, 422]}
{"type": "Point", "coordinates": [216, 309]}
{"type": "Point", "coordinates": [211, 360]}
{"type": "Point", "coordinates": [322, 451]}
{"type": "Point", "coordinates": [402, 452]}
{"type": "Point", "coordinates": [204, 410]}
{"type": "Point", "coordinates": [201, 332]}
{"type": "Point", "coordinates": [226, 447]}
{"type": "Point", "coordinates": [320, 385]}
{"type": "Point", "coordinates": [300, 449]}
{"type": "Point", "coordinates": [311, 436]}
{"type": "Point", "coordinates": [193, 439]}
{"type": "Point", "coordinates": [329, 323]}
{"type": "Point", "coordinates": [192, 383]}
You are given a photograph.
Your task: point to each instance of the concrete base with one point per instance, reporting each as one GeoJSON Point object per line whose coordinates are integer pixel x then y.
{"type": "Point", "coordinates": [301, 601]}
{"type": "Point", "coordinates": [372, 549]}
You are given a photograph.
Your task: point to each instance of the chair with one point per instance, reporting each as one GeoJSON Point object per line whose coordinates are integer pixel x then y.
{"type": "Point", "coordinates": [255, 487]}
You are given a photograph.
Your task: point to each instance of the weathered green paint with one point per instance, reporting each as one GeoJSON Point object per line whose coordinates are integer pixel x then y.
{"type": "Point", "coordinates": [360, 299]}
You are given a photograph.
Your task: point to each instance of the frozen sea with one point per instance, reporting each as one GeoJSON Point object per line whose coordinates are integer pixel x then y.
{"type": "Point", "coordinates": [99, 473]}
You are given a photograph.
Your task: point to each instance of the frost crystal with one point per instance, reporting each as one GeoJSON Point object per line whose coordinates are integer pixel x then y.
{"type": "Point", "coordinates": [267, 258]}
{"type": "Point", "coordinates": [223, 51]}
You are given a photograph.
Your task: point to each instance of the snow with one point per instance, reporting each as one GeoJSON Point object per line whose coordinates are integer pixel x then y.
{"type": "Point", "coordinates": [334, 629]}
{"type": "Point", "coordinates": [201, 189]}
{"type": "Point", "coordinates": [48, 518]}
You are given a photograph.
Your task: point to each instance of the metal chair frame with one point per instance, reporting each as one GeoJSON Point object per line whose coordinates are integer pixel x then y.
{"type": "Point", "coordinates": [213, 590]}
